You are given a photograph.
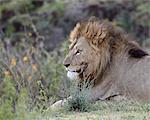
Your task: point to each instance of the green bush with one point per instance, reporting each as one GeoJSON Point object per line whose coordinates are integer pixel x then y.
{"type": "Point", "coordinates": [79, 100]}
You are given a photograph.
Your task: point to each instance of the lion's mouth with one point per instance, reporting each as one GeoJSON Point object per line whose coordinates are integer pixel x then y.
{"type": "Point", "coordinates": [78, 71]}
{"type": "Point", "coordinates": [75, 71]}
{"type": "Point", "coordinates": [76, 74]}
{"type": "Point", "coordinates": [71, 69]}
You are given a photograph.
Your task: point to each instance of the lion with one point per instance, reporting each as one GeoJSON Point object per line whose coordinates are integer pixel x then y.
{"type": "Point", "coordinates": [101, 52]}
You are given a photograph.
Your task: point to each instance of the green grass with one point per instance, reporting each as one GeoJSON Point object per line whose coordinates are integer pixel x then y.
{"type": "Point", "coordinates": [105, 111]}
{"type": "Point", "coordinates": [98, 111]}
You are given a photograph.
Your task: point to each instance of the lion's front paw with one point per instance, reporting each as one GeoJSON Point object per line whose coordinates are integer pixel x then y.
{"type": "Point", "coordinates": [57, 104]}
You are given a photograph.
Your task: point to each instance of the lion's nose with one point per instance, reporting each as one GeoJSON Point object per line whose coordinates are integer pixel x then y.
{"type": "Point", "coordinates": [66, 64]}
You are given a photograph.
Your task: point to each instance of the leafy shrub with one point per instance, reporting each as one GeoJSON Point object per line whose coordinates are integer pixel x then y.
{"type": "Point", "coordinates": [79, 100]}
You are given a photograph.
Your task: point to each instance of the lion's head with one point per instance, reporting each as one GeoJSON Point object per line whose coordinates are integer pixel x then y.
{"type": "Point", "coordinates": [85, 60]}
{"type": "Point", "coordinates": [82, 60]}
{"type": "Point", "coordinates": [93, 45]}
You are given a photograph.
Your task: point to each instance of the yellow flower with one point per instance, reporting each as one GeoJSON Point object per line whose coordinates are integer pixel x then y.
{"type": "Point", "coordinates": [34, 67]}
{"type": "Point", "coordinates": [30, 34]}
{"type": "Point", "coordinates": [13, 62]}
{"type": "Point", "coordinates": [25, 59]}
{"type": "Point", "coordinates": [7, 73]}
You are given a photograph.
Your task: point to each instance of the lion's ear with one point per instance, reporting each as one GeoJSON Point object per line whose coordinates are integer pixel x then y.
{"type": "Point", "coordinates": [137, 53]}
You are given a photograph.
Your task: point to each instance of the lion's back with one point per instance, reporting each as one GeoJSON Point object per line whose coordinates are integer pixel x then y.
{"type": "Point", "coordinates": [136, 78]}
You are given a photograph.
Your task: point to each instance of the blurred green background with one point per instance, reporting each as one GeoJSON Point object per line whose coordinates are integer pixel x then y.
{"type": "Point", "coordinates": [33, 44]}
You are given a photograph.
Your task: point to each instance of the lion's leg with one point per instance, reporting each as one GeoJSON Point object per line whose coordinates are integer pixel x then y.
{"type": "Point", "coordinates": [59, 103]}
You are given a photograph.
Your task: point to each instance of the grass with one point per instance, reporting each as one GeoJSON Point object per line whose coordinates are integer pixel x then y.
{"type": "Point", "coordinates": [106, 111]}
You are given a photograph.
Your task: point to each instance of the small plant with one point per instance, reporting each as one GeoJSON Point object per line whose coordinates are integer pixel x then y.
{"type": "Point", "coordinates": [79, 100]}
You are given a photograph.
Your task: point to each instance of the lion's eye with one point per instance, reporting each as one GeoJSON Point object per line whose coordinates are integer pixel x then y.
{"type": "Point", "coordinates": [78, 52]}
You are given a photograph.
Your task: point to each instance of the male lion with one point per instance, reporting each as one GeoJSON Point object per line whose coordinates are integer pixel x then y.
{"type": "Point", "coordinates": [102, 53]}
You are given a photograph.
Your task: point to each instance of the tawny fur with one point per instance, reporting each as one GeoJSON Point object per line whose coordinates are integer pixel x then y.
{"type": "Point", "coordinates": [121, 66]}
